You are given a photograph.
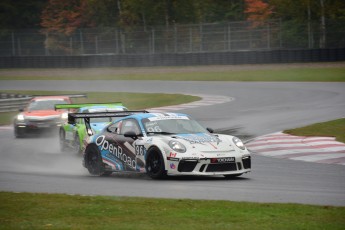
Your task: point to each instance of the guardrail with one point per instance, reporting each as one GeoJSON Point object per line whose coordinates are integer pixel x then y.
{"type": "Point", "coordinates": [13, 102]}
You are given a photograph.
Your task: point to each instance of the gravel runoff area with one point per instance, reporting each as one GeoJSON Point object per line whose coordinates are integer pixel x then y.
{"type": "Point", "coordinates": [157, 70]}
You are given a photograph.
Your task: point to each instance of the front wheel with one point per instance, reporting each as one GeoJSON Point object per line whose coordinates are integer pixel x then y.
{"type": "Point", "coordinates": [18, 133]}
{"type": "Point", "coordinates": [155, 167]}
{"type": "Point", "coordinates": [93, 161]}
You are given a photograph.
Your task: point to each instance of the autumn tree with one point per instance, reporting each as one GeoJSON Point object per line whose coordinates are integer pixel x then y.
{"type": "Point", "coordinates": [258, 12]}
{"type": "Point", "coordinates": [65, 16]}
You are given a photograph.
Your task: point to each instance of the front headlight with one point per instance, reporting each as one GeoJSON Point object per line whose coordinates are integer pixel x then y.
{"type": "Point", "coordinates": [64, 115]}
{"type": "Point", "coordinates": [177, 146]}
{"type": "Point", "coordinates": [238, 143]}
{"type": "Point", "coordinates": [20, 117]}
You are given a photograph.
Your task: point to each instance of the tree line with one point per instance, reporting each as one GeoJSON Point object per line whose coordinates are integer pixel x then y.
{"type": "Point", "coordinates": [301, 23]}
{"type": "Point", "coordinates": [69, 15]}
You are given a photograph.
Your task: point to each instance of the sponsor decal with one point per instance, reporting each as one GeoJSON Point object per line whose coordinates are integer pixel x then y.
{"type": "Point", "coordinates": [172, 166]}
{"type": "Point", "coordinates": [172, 159]}
{"type": "Point", "coordinates": [173, 154]}
{"type": "Point", "coordinates": [149, 140]}
{"type": "Point", "coordinates": [199, 139]}
{"type": "Point", "coordinates": [189, 158]}
{"type": "Point", "coordinates": [115, 151]}
{"type": "Point", "coordinates": [223, 160]}
{"type": "Point", "coordinates": [166, 116]}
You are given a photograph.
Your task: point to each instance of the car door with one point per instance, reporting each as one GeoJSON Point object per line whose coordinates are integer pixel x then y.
{"type": "Point", "coordinates": [123, 148]}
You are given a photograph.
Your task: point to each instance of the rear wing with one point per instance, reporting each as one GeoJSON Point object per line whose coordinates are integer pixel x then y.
{"type": "Point", "coordinates": [86, 116]}
{"type": "Point", "coordinates": [63, 95]}
{"type": "Point", "coordinates": [78, 106]}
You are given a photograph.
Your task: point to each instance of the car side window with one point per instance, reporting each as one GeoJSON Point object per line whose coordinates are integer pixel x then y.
{"type": "Point", "coordinates": [129, 125]}
{"type": "Point", "coordinates": [114, 127]}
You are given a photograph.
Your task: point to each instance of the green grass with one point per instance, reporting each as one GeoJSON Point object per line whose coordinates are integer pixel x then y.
{"type": "Point", "coordinates": [334, 128]}
{"type": "Point", "coordinates": [58, 211]}
{"type": "Point", "coordinates": [280, 75]}
{"type": "Point", "coordinates": [133, 101]}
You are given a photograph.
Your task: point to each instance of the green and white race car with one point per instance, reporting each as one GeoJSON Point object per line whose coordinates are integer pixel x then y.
{"type": "Point", "coordinates": [72, 136]}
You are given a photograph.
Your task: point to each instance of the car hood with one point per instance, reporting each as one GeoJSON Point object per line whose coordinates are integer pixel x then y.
{"type": "Point", "coordinates": [42, 114]}
{"type": "Point", "coordinates": [205, 142]}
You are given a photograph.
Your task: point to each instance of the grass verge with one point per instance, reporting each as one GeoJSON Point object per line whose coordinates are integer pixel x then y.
{"type": "Point", "coordinates": [130, 100]}
{"type": "Point", "coordinates": [58, 211]}
{"type": "Point", "coordinates": [334, 128]}
{"type": "Point", "coordinates": [336, 74]}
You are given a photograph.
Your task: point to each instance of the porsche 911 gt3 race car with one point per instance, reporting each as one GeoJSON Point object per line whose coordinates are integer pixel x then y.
{"type": "Point", "coordinates": [161, 144]}
{"type": "Point", "coordinates": [39, 116]}
{"type": "Point", "coordinates": [72, 136]}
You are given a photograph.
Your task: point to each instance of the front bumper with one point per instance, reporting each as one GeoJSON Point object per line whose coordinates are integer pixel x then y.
{"type": "Point", "coordinates": [37, 127]}
{"type": "Point", "coordinates": [206, 166]}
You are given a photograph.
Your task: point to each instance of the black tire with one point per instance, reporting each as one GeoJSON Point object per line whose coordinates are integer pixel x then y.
{"type": "Point", "coordinates": [62, 140]}
{"type": "Point", "coordinates": [18, 133]}
{"type": "Point", "coordinates": [155, 167]}
{"type": "Point", "coordinates": [93, 161]}
{"type": "Point", "coordinates": [76, 144]}
{"type": "Point", "coordinates": [232, 176]}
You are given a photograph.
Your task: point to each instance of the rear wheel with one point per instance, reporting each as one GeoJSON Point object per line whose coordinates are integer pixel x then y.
{"type": "Point", "coordinates": [76, 144]}
{"type": "Point", "coordinates": [93, 161]}
{"type": "Point", "coordinates": [62, 135]}
{"type": "Point", "coordinates": [155, 167]}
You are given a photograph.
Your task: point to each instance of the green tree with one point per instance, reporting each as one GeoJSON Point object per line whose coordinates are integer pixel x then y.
{"type": "Point", "coordinates": [16, 14]}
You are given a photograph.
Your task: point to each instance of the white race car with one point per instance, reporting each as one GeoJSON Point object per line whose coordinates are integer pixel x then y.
{"type": "Point", "coordinates": [161, 144]}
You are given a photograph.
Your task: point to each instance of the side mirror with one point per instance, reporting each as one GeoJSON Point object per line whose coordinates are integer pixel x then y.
{"type": "Point", "coordinates": [210, 130]}
{"type": "Point", "coordinates": [131, 134]}
{"type": "Point", "coordinates": [21, 109]}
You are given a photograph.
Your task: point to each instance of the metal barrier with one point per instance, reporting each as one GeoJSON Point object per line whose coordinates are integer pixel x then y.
{"type": "Point", "coordinates": [183, 59]}
{"type": "Point", "coordinates": [12, 102]}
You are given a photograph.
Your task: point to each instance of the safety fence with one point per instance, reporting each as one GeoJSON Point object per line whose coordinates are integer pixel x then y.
{"type": "Point", "coordinates": [175, 39]}
{"type": "Point", "coordinates": [185, 59]}
{"type": "Point", "coordinates": [13, 102]}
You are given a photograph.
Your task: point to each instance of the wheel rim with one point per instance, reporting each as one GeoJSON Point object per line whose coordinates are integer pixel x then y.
{"type": "Point", "coordinates": [155, 163]}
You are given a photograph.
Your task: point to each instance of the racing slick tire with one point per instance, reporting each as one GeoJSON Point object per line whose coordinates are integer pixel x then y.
{"type": "Point", "coordinates": [155, 167]}
{"type": "Point", "coordinates": [62, 140]}
{"type": "Point", "coordinates": [232, 176]}
{"type": "Point", "coordinates": [76, 144]}
{"type": "Point", "coordinates": [18, 133]}
{"type": "Point", "coordinates": [93, 161]}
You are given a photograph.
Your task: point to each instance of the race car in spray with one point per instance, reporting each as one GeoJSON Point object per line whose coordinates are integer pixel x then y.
{"type": "Point", "coordinates": [72, 136]}
{"type": "Point", "coordinates": [161, 144]}
{"type": "Point", "coordinates": [39, 116]}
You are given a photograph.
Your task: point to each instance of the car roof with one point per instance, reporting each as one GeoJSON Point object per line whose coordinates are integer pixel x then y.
{"type": "Point", "coordinates": [141, 116]}
{"type": "Point", "coordinates": [101, 107]}
{"type": "Point", "coordinates": [42, 98]}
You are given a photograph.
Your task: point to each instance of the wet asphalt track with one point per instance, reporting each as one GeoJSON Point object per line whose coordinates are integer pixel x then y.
{"type": "Point", "coordinates": [36, 165]}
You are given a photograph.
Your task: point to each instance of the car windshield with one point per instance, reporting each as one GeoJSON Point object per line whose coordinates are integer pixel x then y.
{"type": "Point", "coordinates": [44, 104]}
{"type": "Point", "coordinates": [101, 119]}
{"type": "Point", "coordinates": [178, 125]}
